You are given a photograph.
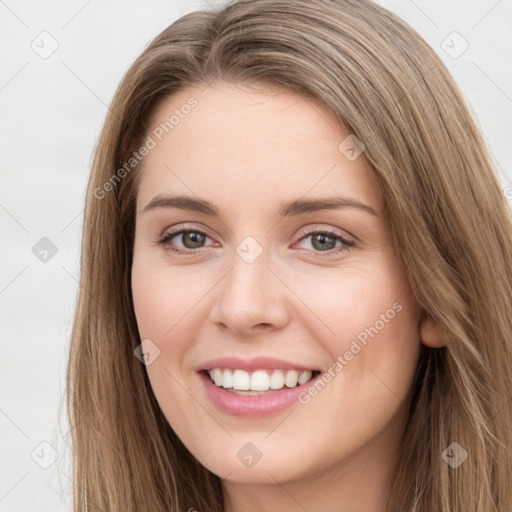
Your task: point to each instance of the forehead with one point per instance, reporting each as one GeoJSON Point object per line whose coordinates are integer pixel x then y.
{"type": "Point", "coordinates": [255, 142]}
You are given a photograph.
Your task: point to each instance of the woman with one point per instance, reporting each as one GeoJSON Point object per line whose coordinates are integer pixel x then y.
{"type": "Point", "coordinates": [296, 276]}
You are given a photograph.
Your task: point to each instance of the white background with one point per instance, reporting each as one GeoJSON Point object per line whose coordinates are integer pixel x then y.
{"type": "Point", "coordinates": [51, 114]}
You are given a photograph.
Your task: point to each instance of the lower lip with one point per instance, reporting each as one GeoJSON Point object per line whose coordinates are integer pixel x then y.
{"type": "Point", "coordinates": [253, 406]}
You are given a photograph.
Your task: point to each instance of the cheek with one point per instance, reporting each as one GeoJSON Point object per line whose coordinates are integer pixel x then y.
{"type": "Point", "coordinates": [164, 300]}
{"type": "Point", "coordinates": [171, 305]}
{"type": "Point", "coordinates": [162, 297]}
{"type": "Point", "coordinates": [343, 304]}
{"type": "Point", "coordinates": [367, 322]}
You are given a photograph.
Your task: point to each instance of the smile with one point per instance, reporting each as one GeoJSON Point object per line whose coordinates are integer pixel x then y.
{"type": "Point", "coordinates": [238, 380]}
{"type": "Point", "coordinates": [256, 387]}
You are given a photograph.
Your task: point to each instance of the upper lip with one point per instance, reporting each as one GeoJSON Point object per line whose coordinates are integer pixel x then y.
{"type": "Point", "coordinates": [256, 363]}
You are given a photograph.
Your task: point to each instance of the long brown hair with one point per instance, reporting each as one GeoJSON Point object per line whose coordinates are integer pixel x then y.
{"type": "Point", "coordinates": [450, 222]}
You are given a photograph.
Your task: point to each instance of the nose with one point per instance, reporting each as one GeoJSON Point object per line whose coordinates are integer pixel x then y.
{"type": "Point", "coordinates": [250, 299]}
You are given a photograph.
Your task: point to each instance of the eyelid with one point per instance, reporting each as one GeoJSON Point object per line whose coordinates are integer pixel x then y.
{"type": "Point", "coordinates": [307, 231]}
{"type": "Point", "coordinates": [331, 230]}
{"type": "Point", "coordinates": [176, 231]}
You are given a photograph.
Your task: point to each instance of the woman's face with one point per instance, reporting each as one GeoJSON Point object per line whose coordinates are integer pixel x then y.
{"type": "Point", "coordinates": [269, 287]}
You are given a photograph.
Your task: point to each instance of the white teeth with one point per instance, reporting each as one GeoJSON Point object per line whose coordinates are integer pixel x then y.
{"type": "Point", "coordinates": [227, 379]}
{"type": "Point", "coordinates": [217, 376]}
{"type": "Point", "coordinates": [292, 376]}
{"type": "Point", "coordinates": [259, 380]}
{"type": "Point", "coordinates": [304, 377]}
{"type": "Point", "coordinates": [277, 379]}
{"type": "Point", "coordinates": [241, 380]}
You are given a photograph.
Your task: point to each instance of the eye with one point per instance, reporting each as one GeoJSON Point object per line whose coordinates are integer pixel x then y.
{"type": "Point", "coordinates": [323, 242]}
{"type": "Point", "coordinates": [191, 239]}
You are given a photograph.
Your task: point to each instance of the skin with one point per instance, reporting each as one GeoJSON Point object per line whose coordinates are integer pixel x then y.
{"type": "Point", "coordinates": [246, 150]}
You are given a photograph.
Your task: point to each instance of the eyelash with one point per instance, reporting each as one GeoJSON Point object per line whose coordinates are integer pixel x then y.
{"type": "Point", "coordinates": [165, 241]}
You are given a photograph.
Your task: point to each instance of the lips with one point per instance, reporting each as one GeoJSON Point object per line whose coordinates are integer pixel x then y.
{"type": "Point", "coordinates": [254, 387]}
{"type": "Point", "coordinates": [250, 365]}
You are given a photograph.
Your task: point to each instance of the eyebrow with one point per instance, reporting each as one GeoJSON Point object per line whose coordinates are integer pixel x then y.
{"type": "Point", "coordinates": [288, 209]}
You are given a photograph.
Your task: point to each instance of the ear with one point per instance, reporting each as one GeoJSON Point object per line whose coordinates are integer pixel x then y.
{"type": "Point", "coordinates": [431, 334]}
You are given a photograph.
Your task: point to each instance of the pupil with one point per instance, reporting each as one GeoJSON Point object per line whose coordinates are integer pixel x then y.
{"type": "Point", "coordinates": [322, 239]}
{"type": "Point", "coordinates": [196, 238]}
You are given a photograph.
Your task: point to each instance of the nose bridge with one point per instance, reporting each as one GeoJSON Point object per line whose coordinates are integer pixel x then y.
{"type": "Point", "coordinates": [250, 295]}
{"type": "Point", "coordinates": [248, 284]}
